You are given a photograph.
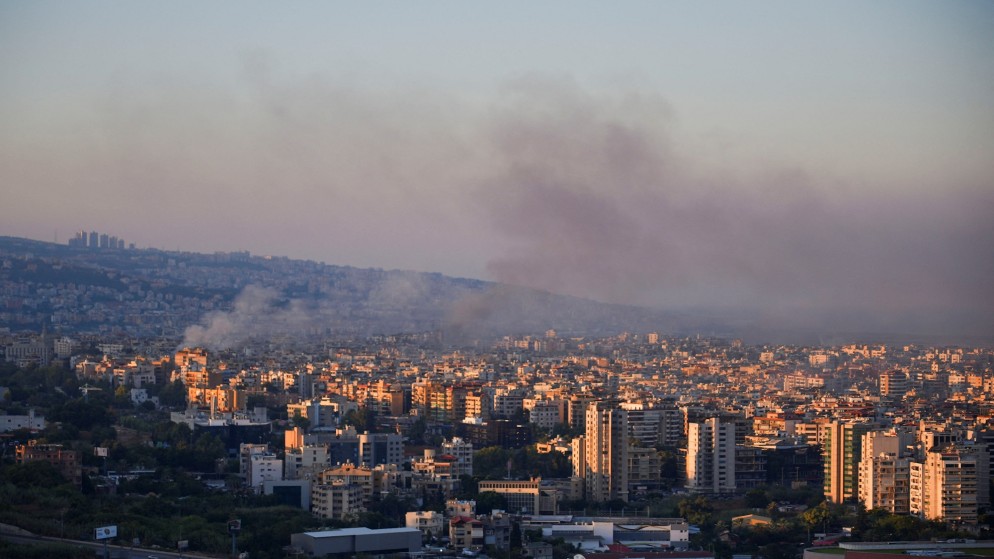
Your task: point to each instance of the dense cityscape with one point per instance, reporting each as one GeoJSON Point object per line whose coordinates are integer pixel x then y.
{"type": "Point", "coordinates": [496, 280]}
{"type": "Point", "coordinates": [539, 445]}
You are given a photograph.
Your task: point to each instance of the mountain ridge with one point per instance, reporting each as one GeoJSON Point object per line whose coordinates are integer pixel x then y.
{"type": "Point", "coordinates": [232, 298]}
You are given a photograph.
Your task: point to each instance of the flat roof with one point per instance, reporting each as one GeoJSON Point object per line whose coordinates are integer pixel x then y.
{"type": "Point", "coordinates": [359, 532]}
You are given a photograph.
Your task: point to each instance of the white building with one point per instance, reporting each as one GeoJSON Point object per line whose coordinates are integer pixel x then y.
{"type": "Point", "coordinates": [30, 421]}
{"type": "Point", "coordinates": [711, 456]}
{"type": "Point", "coordinates": [306, 461]}
{"type": "Point", "coordinates": [263, 468]}
{"type": "Point", "coordinates": [462, 451]}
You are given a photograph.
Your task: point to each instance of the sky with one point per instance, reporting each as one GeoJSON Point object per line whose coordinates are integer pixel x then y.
{"type": "Point", "coordinates": [811, 164]}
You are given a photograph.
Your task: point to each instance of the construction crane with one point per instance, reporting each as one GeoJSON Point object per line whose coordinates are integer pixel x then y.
{"type": "Point", "coordinates": [86, 389]}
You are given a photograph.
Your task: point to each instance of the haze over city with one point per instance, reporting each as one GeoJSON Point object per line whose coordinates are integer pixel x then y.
{"type": "Point", "coordinates": [807, 165]}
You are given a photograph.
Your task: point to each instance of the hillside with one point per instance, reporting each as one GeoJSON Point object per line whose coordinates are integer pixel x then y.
{"type": "Point", "coordinates": [226, 299]}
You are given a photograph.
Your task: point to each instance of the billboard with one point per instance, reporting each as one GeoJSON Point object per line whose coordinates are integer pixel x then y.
{"type": "Point", "coordinates": [105, 532]}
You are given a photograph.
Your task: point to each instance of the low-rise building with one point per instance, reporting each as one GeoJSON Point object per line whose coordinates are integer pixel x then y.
{"type": "Point", "coordinates": [466, 533]}
{"type": "Point", "coordinates": [429, 522]}
{"type": "Point", "coordinates": [353, 541]}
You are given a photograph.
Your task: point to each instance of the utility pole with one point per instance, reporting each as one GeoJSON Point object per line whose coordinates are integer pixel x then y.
{"type": "Point", "coordinates": [234, 526]}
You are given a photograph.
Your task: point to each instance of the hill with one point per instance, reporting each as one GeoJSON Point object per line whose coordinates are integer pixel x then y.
{"type": "Point", "coordinates": [227, 299]}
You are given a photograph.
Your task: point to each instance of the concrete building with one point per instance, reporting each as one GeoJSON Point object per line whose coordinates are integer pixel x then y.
{"type": "Point", "coordinates": [337, 500]}
{"type": "Point", "coordinates": [545, 414]}
{"type": "Point", "coordinates": [455, 507]}
{"type": "Point", "coordinates": [525, 497]}
{"type": "Point", "coordinates": [66, 461]}
{"type": "Point", "coordinates": [294, 493]}
{"type": "Point", "coordinates": [466, 533]}
{"type": "Point", "coordinates": [263, 468]}
{"type": "Point", "coordinates": [711, 456]}
{"type": "Point", "coordinates": [319, 412]}
{"type": "Point", "coordinates": [306, 461]}
{"type": "Point", "coordinates": [945, 485]}
{"type": "Point", "coordinates": [380, 448]}
{"type": "Point", "coordinates": [606, 452]}
{"type": "Point", "coordinates": [885, 472]}
{"type": "Point", "coordinates": [348, 474]}
{"type": "Point", "coordinates": [430, 523]}
{"type": "Point", "coordinates": [894, 384]}
{"type": "Point", "coordinates": [462, 451]}
{"type": "Point", "coordinates": [352, 541]}
{"type": "Point", "coordinates": [497, 530]}
{"type": "Point", "coordinates": [30, 422]}
{"type": "Point", "coordinates": [644, 470]}
{"type": "Point", "coordinates": [245, 453]}
{"type": "Point", "coordinates": [842, 447]}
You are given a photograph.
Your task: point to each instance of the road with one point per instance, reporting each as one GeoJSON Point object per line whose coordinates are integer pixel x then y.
{"type": "Point", "coordinates": [16, 535]}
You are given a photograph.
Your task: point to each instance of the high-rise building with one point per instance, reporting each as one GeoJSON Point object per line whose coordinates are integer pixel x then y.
{"type": "Point", "coordinates": [606, 452]}
{"type": "Point", "coordinates": [885, 472]}
{"type": "Point", "coordinates": [711, 456]}
{"type": "Point", "coordinates": [842, 444]}
{"type": "Point", "coordinates": [577, 410]}
{"type": "Point", "coordinates": [380, 448]}
{"type": "Point", "coordinates": [894, 384]}
{"type": "Point", "coordinates": [945, 485]}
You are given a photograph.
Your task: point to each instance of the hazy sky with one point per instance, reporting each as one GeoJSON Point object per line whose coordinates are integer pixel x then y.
{"type": "Point", "coordinates": [832, 161]}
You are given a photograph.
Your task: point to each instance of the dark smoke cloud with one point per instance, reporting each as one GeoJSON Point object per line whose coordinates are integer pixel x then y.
{"type": "Point", "coordinates": [553, 187]}
{"type": "Point", "coordinates": [597, 204]}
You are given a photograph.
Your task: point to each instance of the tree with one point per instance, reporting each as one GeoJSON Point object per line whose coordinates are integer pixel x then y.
{"type": "Point", "coordinates": [491, 462]}
{"type": "Point", "coordinates": [756, 499]}
{"type": "Point", "coordinates": [487, 501]}
{"type": "Point", "coordinates": [815, 516]}
{"type": "Point", "coordinates": [697, 510]}
{"type": "Point", "coordinates": [173, 394]}
{"type": "Point", "coordinates": [32, 474]}
{"type": "Point", "coordinates": [300, 421]}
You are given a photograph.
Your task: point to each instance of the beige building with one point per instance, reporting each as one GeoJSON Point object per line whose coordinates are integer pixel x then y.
{"type": "Point", "coordinates": [524, 496]}
{"type": "Point", "coordinates": [348, 474]}
{"type": "Point", "coordinates": [337, 500]}
{"type": "Point", "coordinates": [884, 472]}
{"type": "Point", "coordinates": [431, 523]}
{"type": "Point", "coordinates": [219, 400]}
{"type": "Point", "coordinates": [946, 485]}
{"type": "Point", "coordinates": [606, 452]}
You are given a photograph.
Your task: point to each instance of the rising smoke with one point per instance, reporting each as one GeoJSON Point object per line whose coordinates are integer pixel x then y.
{"type": "Point", "coordinates": [547, 185]}
{"type": "Point", "coordinates": [597, 203]}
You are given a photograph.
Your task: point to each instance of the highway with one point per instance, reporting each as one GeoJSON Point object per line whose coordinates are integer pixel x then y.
{"type": "Point", "coordinates": [15, 535]}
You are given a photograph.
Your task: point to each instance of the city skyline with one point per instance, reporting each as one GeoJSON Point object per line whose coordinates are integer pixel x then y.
{"type": "Point", "coordinates": [813, 165]}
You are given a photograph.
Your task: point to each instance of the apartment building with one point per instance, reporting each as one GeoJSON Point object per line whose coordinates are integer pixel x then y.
{"type": "Point", "coordinates": [842, 448]}
{"type": "Point", "coordinates": [337, 500]}
{"type": "Point", "coordinates": [885, 470]}
{"type": "Point", "coordinates": [710, 464]}
{"type": "Point", "coordinates": [945, 485]}
{"type": "Point", "coordinates": [606, 452]}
